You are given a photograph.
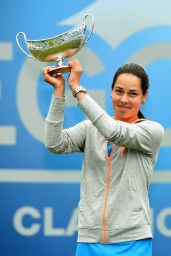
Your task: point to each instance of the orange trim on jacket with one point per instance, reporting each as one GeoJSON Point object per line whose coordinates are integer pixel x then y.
{"type": "Point", "coordinates": [107, 192]}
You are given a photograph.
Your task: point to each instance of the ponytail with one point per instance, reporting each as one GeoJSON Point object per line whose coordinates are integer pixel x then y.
{"type": "Point", "coordinates": [140, 115]}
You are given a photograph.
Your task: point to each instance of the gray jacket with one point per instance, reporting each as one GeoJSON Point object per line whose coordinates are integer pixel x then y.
{"type": "Point", "coordinates": [114, 205]}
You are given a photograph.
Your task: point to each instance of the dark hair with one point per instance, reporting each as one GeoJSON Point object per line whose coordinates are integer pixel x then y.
{"type": "Point", "coordinates": [137, 71]}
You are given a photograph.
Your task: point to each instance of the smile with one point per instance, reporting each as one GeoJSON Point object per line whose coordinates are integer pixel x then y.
{"type": "Point", "coordinates": [124, 107]}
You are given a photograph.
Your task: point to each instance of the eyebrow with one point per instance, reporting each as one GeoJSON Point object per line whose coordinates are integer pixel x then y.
{"type": "Point", "coordinates": [132, 90]}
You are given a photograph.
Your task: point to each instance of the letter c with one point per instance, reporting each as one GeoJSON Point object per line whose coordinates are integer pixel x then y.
{"type": "Point", "coordinates": [18, 221]}
{"type": "Point", "coordinates": [161, 222]}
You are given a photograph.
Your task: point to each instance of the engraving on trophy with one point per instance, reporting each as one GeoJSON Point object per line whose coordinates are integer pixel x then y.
{"type": "Point", "coordinates": [60, 47]}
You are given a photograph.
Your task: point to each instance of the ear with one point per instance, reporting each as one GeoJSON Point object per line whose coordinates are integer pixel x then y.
{"type": "Point", "coordinates": [144, 97]}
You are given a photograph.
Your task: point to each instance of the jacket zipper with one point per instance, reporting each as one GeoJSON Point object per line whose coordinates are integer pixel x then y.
{"type": "Point", "coordinates": [107, 194]}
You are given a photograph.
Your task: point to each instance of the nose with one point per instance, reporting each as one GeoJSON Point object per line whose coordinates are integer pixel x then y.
{"type": "Point", "coordinates": [124, 98]}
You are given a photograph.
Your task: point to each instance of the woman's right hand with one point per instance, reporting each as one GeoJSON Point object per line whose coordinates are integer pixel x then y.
{"type": "Point", "coordinates": [57, 82]}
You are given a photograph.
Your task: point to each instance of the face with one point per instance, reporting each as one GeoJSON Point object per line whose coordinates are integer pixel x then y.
{"type": "Point", "coordinates": [127, 97]}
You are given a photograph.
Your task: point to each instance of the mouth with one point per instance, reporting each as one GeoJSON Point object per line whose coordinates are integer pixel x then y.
{"type": "Point", "coordinates": [124, 107]}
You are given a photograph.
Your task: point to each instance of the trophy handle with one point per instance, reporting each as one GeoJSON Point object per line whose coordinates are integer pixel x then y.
{"type": "Point", "coordinates": [22, 33]}
{"type": "Point", "coordinates": [92, 25]}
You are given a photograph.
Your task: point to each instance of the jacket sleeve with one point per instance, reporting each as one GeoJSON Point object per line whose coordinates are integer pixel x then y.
{"type": "Point", "coordinates": [145, 136]}
{"type": "Point", "coordinates": [59, 140]}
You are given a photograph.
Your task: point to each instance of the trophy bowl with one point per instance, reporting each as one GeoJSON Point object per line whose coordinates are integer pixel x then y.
{"type": "Point", "coordinates": [58, 48]}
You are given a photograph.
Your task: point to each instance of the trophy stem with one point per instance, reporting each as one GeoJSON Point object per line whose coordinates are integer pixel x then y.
{"type": "Point", "coordinates": [59, 62]}
{"type": "Point", "coordinates": [60, 69]}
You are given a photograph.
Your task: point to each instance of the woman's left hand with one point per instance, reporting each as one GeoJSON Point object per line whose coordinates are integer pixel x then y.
{"type": "Point", "coordinates": [75, 74]}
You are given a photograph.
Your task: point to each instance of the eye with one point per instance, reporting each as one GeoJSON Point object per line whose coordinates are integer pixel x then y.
{"type": "Point", "coordinates": [133, 94]}
{"type": "Point", "coordinates": [118, 91]}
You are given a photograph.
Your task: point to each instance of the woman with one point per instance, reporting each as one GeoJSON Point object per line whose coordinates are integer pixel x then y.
{"type": "Point", "coordinates": [119, 156]}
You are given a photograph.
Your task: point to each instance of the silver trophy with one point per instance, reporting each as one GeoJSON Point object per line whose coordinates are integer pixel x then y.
{"type": "Point", "coordinates": [58, 48]}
